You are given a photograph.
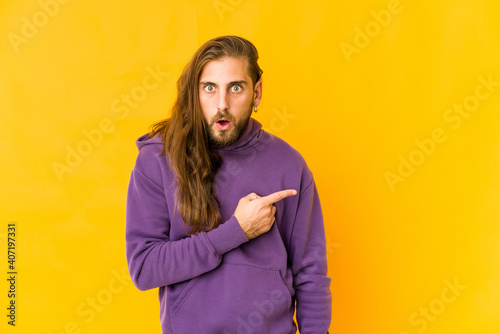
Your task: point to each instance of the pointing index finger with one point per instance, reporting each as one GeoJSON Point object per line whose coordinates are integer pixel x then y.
{"type": "Point", "coordinates": [278, 196]}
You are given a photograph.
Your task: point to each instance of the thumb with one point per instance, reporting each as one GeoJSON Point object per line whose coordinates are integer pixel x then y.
{"type": "Point", "coordinates": [252, 196]}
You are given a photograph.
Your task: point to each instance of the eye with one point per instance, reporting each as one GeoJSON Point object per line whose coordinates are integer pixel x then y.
{"type": "Point", "coordinates": [236, 88]}
{"type": "Point", "coordinates": [209, 88]}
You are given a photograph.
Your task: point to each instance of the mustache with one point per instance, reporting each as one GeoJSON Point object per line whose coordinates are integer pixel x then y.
{"type": "Point", "coordinates": [220, 115]}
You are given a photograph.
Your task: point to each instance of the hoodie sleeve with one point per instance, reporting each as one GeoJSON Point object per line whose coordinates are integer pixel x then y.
{"type": "Point", "coordinates": [309, 264]}
{"type": "Point", "coordinates": [153, 259]}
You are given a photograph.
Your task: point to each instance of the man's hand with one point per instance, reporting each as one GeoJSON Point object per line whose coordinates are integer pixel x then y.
{"type": "Point", "coordinates": [256, 214]}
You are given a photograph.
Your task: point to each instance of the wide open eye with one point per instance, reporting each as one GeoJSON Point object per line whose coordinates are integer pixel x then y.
{"type": "Point", "coordinates": [209, 88]}
{"type": "Point", "coordinates": [236, 88]}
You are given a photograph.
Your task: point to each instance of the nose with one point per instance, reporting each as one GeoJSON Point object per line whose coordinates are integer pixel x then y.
{"type": "Point", "coordinates": [222, 102]}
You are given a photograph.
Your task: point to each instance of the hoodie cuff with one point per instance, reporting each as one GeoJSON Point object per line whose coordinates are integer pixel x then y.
{"type": "Point", "coordinates": [226, 236]}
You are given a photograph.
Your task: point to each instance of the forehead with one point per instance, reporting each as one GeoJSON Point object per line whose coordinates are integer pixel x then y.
{"type": "Point", "coordinates": [225, 69]}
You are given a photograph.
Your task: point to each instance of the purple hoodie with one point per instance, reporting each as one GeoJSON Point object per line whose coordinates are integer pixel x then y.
{"type": "Point", "coordinates": [219, 281]}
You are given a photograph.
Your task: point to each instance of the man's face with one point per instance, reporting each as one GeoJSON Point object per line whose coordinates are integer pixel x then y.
{"type": "Point", "coordinates": [227, 97]}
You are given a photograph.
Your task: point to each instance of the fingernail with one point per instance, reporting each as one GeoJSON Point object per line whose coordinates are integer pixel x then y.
{"type": "Point", "coordinates": [294, 192]}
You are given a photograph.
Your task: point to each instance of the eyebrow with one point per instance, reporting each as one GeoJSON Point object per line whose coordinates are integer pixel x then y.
{"type": "Point", "coordinates": [239, 82]}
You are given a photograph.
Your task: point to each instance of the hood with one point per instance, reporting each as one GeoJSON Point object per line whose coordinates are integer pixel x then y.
{"type": "Point", "coordinates": [250, 137]}
{"type": "Point", "coordinates": [143, 141]}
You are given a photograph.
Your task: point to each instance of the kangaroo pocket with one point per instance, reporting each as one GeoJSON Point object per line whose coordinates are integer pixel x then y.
{"type": "Point", "coordinates": [234, 298]}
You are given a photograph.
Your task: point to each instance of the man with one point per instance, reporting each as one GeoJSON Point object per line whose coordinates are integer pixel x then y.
{"type": "Point", "coordinates": [223, 217]}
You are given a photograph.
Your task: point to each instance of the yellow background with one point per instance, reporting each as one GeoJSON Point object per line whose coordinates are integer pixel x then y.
{"type": "Point", "coordinates": [355, 116]}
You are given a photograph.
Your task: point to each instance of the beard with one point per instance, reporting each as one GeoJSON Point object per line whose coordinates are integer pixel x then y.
{"type": "Point", "coordinates": [223, 138]}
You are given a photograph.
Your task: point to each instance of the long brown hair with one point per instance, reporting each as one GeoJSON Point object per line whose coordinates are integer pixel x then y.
{"type": "Point", "coordinates": [185, 135]}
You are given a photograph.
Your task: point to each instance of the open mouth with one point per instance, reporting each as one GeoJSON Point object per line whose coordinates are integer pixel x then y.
{"type": "Point", "coordinates": [223, 123]}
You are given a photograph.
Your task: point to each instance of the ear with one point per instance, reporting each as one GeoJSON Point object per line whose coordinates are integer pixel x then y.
{"type": "Point", "coordinates": [257, 93]}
